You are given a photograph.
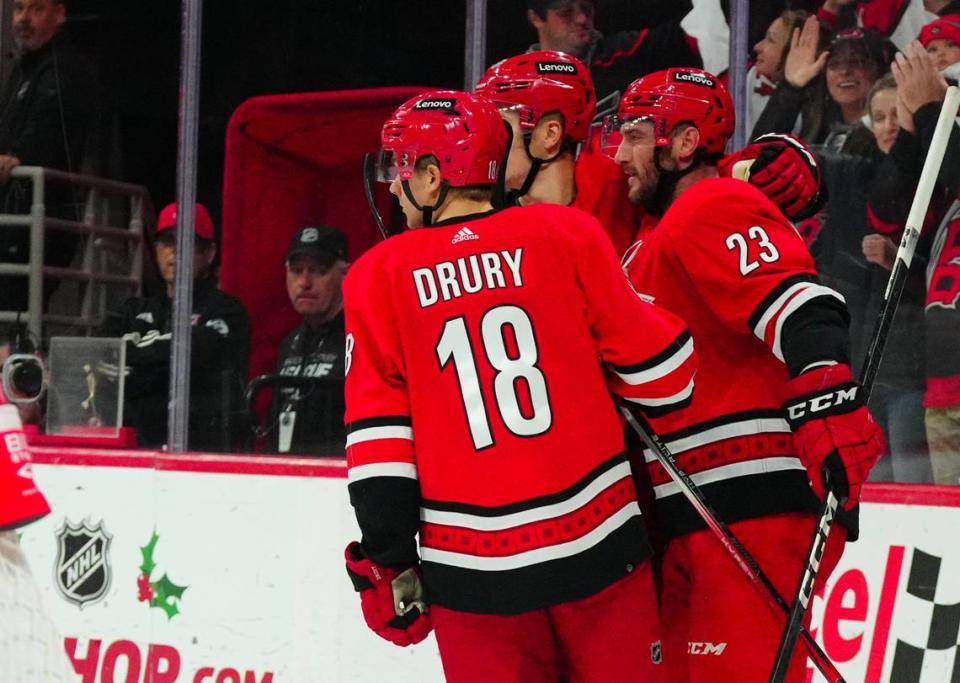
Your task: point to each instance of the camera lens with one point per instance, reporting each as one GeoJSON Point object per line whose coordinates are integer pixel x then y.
{"type": "Point", "coordinates": [27, 378]}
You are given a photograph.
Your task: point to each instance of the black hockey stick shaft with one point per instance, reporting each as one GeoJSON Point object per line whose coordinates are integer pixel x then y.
{"type": "Point", "coordinates": [744, 560]}
{"type": "Point", "coordinates": [871, 364]}
{"type": "Point", "coordinates": [369, 179]}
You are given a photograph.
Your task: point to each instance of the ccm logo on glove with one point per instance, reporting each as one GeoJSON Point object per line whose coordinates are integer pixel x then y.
{"type": "Point", "coordinates": [841, 398]}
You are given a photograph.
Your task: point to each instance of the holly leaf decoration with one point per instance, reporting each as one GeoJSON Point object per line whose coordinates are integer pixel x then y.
{"type": "Point", "coordinates": [146, 551]}
{"type": "Point", "coordinates": [166, 596]}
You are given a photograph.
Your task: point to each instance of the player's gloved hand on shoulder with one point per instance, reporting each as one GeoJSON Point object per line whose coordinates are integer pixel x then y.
{"type": "Point", "coordinates": [391, 600]}
{"type": "Point", "coordinates": [783, 168]}
{"type": "Point", "coordinates": [833, 430]}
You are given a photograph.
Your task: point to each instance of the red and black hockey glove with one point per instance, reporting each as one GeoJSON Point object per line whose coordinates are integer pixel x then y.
{"type": "Point", "coordinates": [392, 601]}
{"type": "Point", "coordinates": [20, 500]}
{"type": "Point", "coordinates": [833, 430]}
{"type": "Point", "coordinates": [784, 169]}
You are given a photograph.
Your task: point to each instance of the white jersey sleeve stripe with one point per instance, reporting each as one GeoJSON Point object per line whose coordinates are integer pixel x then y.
{"type": "Point", "coordinates": [661, 370]}
{"type": "Point", "coordinates": [760, 329]}
{"type": "Point", "coordinates": [375, 433]}
{"type": "Point", "coordinates": [810, 292]}
{"type": "Point", "coordinates": [382, 469]}
{"type": "Point", "coordinates": [679, 397]}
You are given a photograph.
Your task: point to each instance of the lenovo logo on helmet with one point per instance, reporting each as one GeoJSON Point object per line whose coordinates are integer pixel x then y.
{"type": "Point", "coordinates": [699, 79]}
{"type": "Point", "coordinates": [434, 104]}
{"type": "Point", "coordinates": [556, 68]}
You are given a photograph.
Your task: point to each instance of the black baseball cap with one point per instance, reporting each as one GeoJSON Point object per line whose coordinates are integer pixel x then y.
{"type": "Point", "coordinates": [322, 242]}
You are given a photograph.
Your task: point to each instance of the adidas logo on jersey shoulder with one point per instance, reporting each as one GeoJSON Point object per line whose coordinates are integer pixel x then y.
{"type": "Point", "coordinates": [464, 234]}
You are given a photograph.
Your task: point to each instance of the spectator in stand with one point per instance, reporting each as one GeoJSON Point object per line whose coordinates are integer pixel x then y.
{"type": "Point", "coordinates": [47, 109]}
{"type": "Point", "coordinates": [920, 92]}
{"type": "Point", "coordinates": [828, 88]}
{"type": "Point", "coordinates": [310, 420]}
{"type": "Point", "coordinates": [898, 20]}
{"type": "Point", "coordinates": [616, 60]}
{"type": "Point", "coordinates": [771, 56]}
{"type": "Point", "coordinates": [220, 346]}
{"type": "Point", "coordinates": [941, 40]}
{"type": "Point", "coordinates": [897, 398]}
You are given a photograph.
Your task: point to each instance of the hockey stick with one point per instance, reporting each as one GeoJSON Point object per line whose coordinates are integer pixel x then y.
{"type": "Point", "coordinates": [744, 559]}
{"type": "Point", "coordinates": [871, 365]}
{"type": "Point", "coordinates": [369, 179]}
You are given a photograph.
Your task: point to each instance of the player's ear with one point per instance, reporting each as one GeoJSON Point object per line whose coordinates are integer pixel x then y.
{"type": "Point", "coordinates": [534, 19]}
{"type": "Point", "coordinates": [433, 176]}
{"type": "Point", "coordinates": [553, 136]}
{"type": "Point", "coordinates": [685, 144]}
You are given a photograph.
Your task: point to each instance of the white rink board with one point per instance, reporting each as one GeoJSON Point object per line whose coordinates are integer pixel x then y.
{"type": "Point", "coordinates": [262, 557]}
{"type": "Point", "coordinates": [267, 597]}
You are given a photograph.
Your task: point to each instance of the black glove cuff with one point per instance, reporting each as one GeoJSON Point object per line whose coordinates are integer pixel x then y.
{"type": "Point", "coordinates": [835, 400]}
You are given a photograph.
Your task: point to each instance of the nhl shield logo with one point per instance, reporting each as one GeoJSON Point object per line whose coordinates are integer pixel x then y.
{"type": "Point", "coordinates": [656, 652]}
{"type": "Point", "coordinates": [83, 570]}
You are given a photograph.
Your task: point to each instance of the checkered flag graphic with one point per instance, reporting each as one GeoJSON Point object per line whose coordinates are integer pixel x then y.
{"type": "Point", "coordinates": [943, 640]}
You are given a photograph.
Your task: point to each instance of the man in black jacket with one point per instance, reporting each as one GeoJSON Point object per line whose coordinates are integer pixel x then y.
{"type": "Point", "coordinates": [47, 108]}
{"type": "Point", "coordinates": [310, 419]}
{"type": "Point", "coordinates": [220, 347]}
{"type": "Point", "coordinates": [615, 60]}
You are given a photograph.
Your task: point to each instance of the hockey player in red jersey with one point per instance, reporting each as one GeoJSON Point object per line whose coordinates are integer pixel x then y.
{"type": "Point", "coordinates": [548, 99]}
{"type": "Point", "coordinates": [775, 401]}
{"type": "Point", "coordinates": [481, 352]}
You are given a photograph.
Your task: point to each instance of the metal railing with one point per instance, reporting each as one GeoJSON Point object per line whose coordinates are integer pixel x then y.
{"type": "Point", "coordinates": [110, 247]}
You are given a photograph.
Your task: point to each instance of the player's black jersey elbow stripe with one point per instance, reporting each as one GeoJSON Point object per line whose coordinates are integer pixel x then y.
{"type": "Point", "coordinates": [775, 294]}
{"type": "Point", "coordinates": [672, 349]}
{"type": "Point", "coordinates": [529, 504]}
{"type": "Point", "coordinates": [383, 421]}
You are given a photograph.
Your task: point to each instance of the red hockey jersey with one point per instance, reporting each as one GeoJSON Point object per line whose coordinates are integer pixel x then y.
{"type": "Point", "coordinates": [726, 261]}
{"type": "Point", "coordinates": [481, 355]}
{"type": "Point", "coordinates": [943, 319]}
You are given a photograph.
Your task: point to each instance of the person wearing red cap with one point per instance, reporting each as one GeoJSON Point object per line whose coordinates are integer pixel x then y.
{"type": "Point", "coordinates": [941, 40]}
{"type": "Point", "coordinates": [220, 349]}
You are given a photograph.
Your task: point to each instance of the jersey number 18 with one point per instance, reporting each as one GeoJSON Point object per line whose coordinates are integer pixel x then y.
{"type": "Point", "coordinates": [456, 346]}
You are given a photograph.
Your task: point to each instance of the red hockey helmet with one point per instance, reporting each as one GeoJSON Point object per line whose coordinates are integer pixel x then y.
{"type": "Point", "coordinates": [537, 83]}
{"type": "Point", "coordinates": [673, 96]}
{"type": "Point", "coordinates": [463, 131]}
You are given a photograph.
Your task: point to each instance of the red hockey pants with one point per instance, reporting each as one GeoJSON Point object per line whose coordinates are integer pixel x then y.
{"type": "Point", "coordinates": [611, 636]}
{"type": "Point", "coordinates": [717, 627]}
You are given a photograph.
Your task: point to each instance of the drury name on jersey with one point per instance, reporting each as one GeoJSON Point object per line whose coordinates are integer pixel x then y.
{"type": "Point", "coordinates": [468, 275]}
